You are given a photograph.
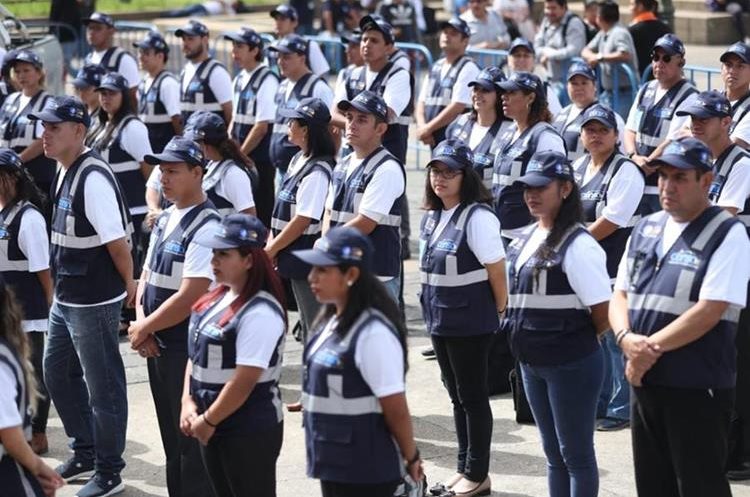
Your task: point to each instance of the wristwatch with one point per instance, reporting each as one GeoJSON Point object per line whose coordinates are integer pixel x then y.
{"type": "Point", "coordinates": [600, 57]}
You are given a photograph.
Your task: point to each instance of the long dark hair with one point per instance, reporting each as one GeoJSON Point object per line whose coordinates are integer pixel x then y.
{"type": "Point", "coordinates": [319, 140]}
{"type": "Point", "coordinates": [25, 187]}
{"type": "Point", "coordinates": [472, 190]}
{"type": "Point", "coordinates": [498, 107]}
{"type": "Point", "coordinates": [366, 292]}
{"type": "Point", "coordinates": [539, 110]}
{"type": "Point", "coordinates": [228, 148]}
{"type": "Point", "coordinates": [11, 329]}
{"type": "Point", "coordinates": [126, 109]}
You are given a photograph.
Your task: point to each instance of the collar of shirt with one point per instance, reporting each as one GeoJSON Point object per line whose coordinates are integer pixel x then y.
{"type": "Point", "coordinates": [645, 16]}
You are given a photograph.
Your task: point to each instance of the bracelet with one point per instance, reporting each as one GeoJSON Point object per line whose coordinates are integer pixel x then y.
{"type": "Point", "coordinates": [620, 335]}
{"type": "Point", "coordinates": [209, 423]}
{"type": "Point", "coordinates": [414, 460]}
{"type": "Point", "coordinates": [503, 310]}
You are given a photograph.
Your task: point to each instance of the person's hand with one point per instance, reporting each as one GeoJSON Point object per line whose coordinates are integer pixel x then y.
{"type": "Point", "coordinates": [590, 59]}
{"type": "Point", "coordinates": [642, 162]}
{"type": "Point", "coordinates": [188, 414]}
{"type": "Point", "coordinates": [149, 348]}
{"type": "Point", "coordinates": [137, 333]}
{"type": "Point", "coordinates": [425, 135]}
{"type": "Point", "coordinates": [416, 471]}
{"type": "Point", "coordinates": [271, 251]}
{"type": "Point", "coordinates": [641, 354]}
{"type": "Point", "coordinates": [543, 59]}
{"type": "Point", "coordinates": [48, 478]}
{"type": "Point", "coordinates": [131, 288]}
{"type": "Point", "coordinates": [201, 430]}
{"type": "Point", "coordinates": [151, 217]}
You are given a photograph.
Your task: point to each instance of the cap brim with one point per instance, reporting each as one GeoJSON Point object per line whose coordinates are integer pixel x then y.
{"type": "Point", "coordinates": [291, 113]}
{"type": "Point", "coordinates": [525, 47]}
{"type": "Point", "coordinates": [485, 84]}
{"type": "Point", "coordinates": [86, 22]}
{"type": "Point", "coordinates": [186, 32]}
{"type": "Point", "coordinates": [600, 120]}
{"type": "Point", "coordinates": [346, 105]}
{"type": "Point", "coordinates": [215, 242]}
{"type": "Point", "coordinates": [699, 112]}
{"type": "Point", "coordinates": [156, 159]}
{"type": "Point", "coordinates": [534, 180]}
{"type": "Point", "coordinates": [668, 50]}
{"type": "Point", "coordinates": [581, 73]}
{"type": "Point", "coordinates": [45, 116]}
{"type": "Point", "coordinates": [678, 161]}
{"type": "Point", "coordinates": [737, 54]}
{"type": "Point", "coordinates": [237, 38]}
{"type": "Point", "coordinates": [80, 83]}
{"type": "Point", "coordinates": [109, 87]}
{"type": "Point", "coordinates": [316, 257]}
{"type": "Point", "coordinates": [509, 86]}
{"type": "Point", "coordinates": [451, 162]}
{"type": "Point", "coordinates": [281, 50]}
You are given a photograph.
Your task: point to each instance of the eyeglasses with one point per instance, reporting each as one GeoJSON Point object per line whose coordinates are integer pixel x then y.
{"type": "Point", "coordinates": [655, 57]}
{"type": "Point", "coordinates": [445, 173]}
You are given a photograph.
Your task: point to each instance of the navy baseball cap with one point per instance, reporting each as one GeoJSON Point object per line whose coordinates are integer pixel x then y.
{"type": "Point", "coordinates": [453, 153]}
{"type": "Point", "coordinates": [521, 42]}
{"type": "Point", "coordinates": [204, 125]}
{"type": "Point", "coordinates": [248, 36]}
{"type": "Point", "coordinates": [525, 81]}
{"type": "Point", "coordinates": [179, 149]}
{"type": "Point", "coordinates": [26, 56]}
{"type": "Point", "coordinates": [707, 104]}
{"type": "Point", "coordinates": [237, 230]}
{"type": "Point", "coordinates": [670, 44]}
{"type": "Point", "coordinates": [739, 49]}
{"type": "Point", "coordinates": [310, 110]}
{"type": "Point", "coordinates": [458, 24]}
{"type": "Point", "coordinates": [580, 68]}
{"type": "Point", "coordinates": [285, 10]}
{"type": "Point", "coordinates": [100, 18]}
{"type": "Point", "coordinates": [377, 23]}
{"type": "Point", "coordinates": [192, 28]}
{"type": "Point", "coordinates": [488, 78]}
{"type": "Point", "coordinates": [685, 153]}
{"type": "Point", "coordinates": [154, 40]}
{"type": "Point", "coordinates": [353, 38]}
{"type": "Point", "coordinates": [89, 75]}
{"type": "Point", "coordinates": [7, 58]}
{"type": "Point", "coordinates": [544, 168]}
{"type": "Point", "coordinates": [368, 102]}
{"type": "Point", "coordinates": [290, 44]}
{"type": "Point", "coordinates": [340, 245]}
{"type": "Point", "coordinates": [10, 160]}
{"type": "Point", "coordinates": [61, 110]}
{"type": "Point", "coordinates": [600, 113]}
{"type": "Point", "coordinates": [115, 82]}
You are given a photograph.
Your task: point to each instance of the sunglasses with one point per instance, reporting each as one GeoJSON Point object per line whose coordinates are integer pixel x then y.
{"type": "Point", "coordinates": [655, 57]}
{"type": "Point", "coordinates": [445, 173]}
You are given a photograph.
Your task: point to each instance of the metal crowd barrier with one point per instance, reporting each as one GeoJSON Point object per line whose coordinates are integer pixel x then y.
{"type": "Point", "coordinates": [704, 78]}
{"type": "Point", "coordinates": [618, 69]}
{"type": "Point", "coordinates": [421, 62]}
{"type": "Point", "coordinates": [486, 57]}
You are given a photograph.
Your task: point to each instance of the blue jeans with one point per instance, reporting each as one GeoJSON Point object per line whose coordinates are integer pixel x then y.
{"type": "Point", "coordinates": [392, 286]}
{"type": "Point", "coordinates": [614, 400]}
{"type": "Point", "coordinates": [563, 401]}
{"type": "Point", "coordinates": [85, 378]}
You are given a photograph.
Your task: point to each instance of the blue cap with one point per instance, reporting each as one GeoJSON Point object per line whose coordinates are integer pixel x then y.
{"type": "Point", "coordinates": [7, 58]}
{"type": "Point", "coordinates": [179, 149]}
{"type": "Point", "coordinates": [600, 113]}
{"type": "Point", "coordinates": [739, 49]}
{"type": "Point", "coordinates": [458, 24]}
{"type": "Point", "coordinates": [453, 153]}
{"type": "Point", "coordinates": [26, 56]}
{"type": "Point", "coordinates": [207, 126]}
{"type": "Point", "coordinates": [525, 81]}
{"type": "Point", "coordinates": [310, 110]}
{"type": "Point", "coordinates": [63, 109]}
{"type": "Point", "coordinates": [10, 160]}
{"type": "Point", "coordinates": [368, 102]}
{"type": "Point", "coordinates": [115, 82]}
{"type": "Point", "coordinates": [521, 42]}
{"type": "Point", "coordinates": [290, 44]}
{"type": "Point", "coordinates": [101, 18]}
{"type": "Point", "coordinates": [707, 104]}
{"type": "Point", "coordinates": [192, 28]}
{"type": "Point", "coordinates": [154, 40]}
{"type": "Point", "coordinates": [285, 10]}
{"type": "Point", "coordinates": [488, 78]}
{"type": "Point", "coordinates": [544, 168]}
{"type": "Point", "coordinates": [89, 75]}
{"type": "Point", "coordinates": [580, 68]}
{"type": "Point", "coordinates": [248, 36]}
{"type": "Point", "coordinates": [340, 245]}
{"type": "Point", "coordinates": [353, 38]}
{"type": "Point", "coordinates": [236, 230]}
{"type": "Point", "coordinates": [670, 44]}
{"type": "Point", "coordinates": [377, 23]}
{"type": "Point", "coordinates": [685, 153]}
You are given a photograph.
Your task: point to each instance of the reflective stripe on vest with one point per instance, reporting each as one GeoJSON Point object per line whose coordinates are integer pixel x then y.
{"type": "Point", "coordinates": [440, 89]}
{"type": "Point", "coordinates": [287, 196]}
{"type": "Point", "coordinates": [204, 99]}
{"type": "Point", "coordinates": [11, 360]}
{"type": "Point", "coordinates": [355, 82]}
{"type": "Point", "coordinates": [245, 98]}
{"type": "Point", "coordinates": [151, 109]}
{"type": "Point", "coordinates": [653, 127]}
{"type": "Point", "coordinates": [571, 131]}
{"type": "Point", "coordinates": [6, 264]}
{"type": "Point", "coordinates": [303, 88]}
{"type": "Point", "coordinates": [723, 167]}
{"type": "Point", "coordinates": [739, 110]}
{"type": "Point", "coordinates": [595, 190]}
{"type": "Point", "coordinates": [17, 130]}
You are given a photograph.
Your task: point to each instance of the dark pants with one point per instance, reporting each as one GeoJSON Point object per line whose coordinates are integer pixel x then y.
{"type": "Point", "coordinates": [336, 489]}
{"type": "Point", "coordinates": [742, 402]}
{"type": "Point", "coordinates": [186, 475]}
{"type": "Point", "coordinates": [39, 421]}
{"type": "Point", "coordinates": [463, 367]}
{"type": "Point", "coordinates": [265, 195]}
{"type": "Point", "coordinates": [680, 441]}
{"type": "Point", "coordinates": [244, 465]}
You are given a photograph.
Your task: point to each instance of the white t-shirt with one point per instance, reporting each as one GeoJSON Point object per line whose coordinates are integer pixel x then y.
{"type": "Point", "coordinates": [235, 186]}
{"type": "Point", "coordinates": [169, 94]}
{"type": "Point", "coordinates": [320, 90]}
{"type": "Point", "coordinates": [318, 63]}
{"type": "Point", "coordinates": [34, 245]}
{"type": "Point", "coordinates": [624, 193]}
{"type": "Point", "coordinates": [379, 357]}
{"type": "Point", "coordinates": [312, 191]}
{"type": "Point", "coordinates": [742, 129]}
{"type": "Point", "coordinates": [220, 82]}
{"type": "Point", "coordinates": [478, 132]}
{"type": "Point", "coordinates": [736, 189]}
{"type": "Point", "coordinates": [553, 101]}
{"type": "Point", "coordinates": [728, 270]}
{"type": "Point", "coordinates": [9, 415]}
{"type": "Point", "coordinates": [385, 187]}
{"type": "Point", "coordinates": [397, 93]}
{"type": "Point", "coordinates": [128, 67]}
{"type": "Point", "coordinates": [575, 111]}
{"type": "Point", "coordinates": [482, 234]}
{"type": "Point", "coordinates": [258, 332]}
{"type": "Point", "coordinates": [585, 265]}
{"type": "Point", "coordinates": [461, 91]}
{"type": "Point", "coordinates": [265, 109]}
{"type": "Point", "coordinates": [133, 139]}
{"type": "Point", "coordinates": [675, 125]}
{"type": "Point", "coordinates": [154, 179]}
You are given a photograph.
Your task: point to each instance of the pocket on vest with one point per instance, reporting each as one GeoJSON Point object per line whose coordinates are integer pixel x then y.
{"type": "Point", "coordinates": [72, 266]}
{"type": "Point", "coordinates": [450, 310]}
{"type": "Point", "coordinates": [333, 443]}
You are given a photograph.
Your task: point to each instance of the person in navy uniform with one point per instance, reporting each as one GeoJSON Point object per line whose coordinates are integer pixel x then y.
{"type": "Point", "coordinates": [176, 272]}
{"type": "Point", "coordinates": [358, 431]}
{"type": "Point", "coordinates": [286, 19]}
{"type": "Point", "coordinates": [231, 402]}
{"type": "Point", "coordinates": [22, 472]}
{"type": "Point", "coordinates": [735, 73]}
{"type": "Point", "coordinates": [92, 273]}
{"type": "Point", "coordinates": [462, 268]}
{"type": "Point", "coordinates": [87, 80]}
{"type": "Point", "coordinates": [24, 264]}
{"type": "Point", "coordinates": [522, 58]}
{"type": "Point", "coordinates": [557, 310]}
{"type": "Point", "coordinates": [678, 294]}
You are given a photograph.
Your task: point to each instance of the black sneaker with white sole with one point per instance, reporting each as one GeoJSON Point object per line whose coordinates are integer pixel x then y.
{"type": "Point", "coordinates": [102, 485]}
{"type": "Point", "coordinates": [75, 468]}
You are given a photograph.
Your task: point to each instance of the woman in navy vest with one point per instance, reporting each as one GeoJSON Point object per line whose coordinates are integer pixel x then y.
{"type": "Point", "coordinates": [24, 264]}
{"type": "Point", "coordinates": [358, 429]}
{"type": "Point", "coordinates": [231, 402]}
{"type": "Point", "coordinates": [558, 299]}
{"type": "Point", "coordinates": [86, 82]}
{"type": "Point", "coordinates": [22, 472]}
{"type": "Point", "coordinates": [481, 127]}
{"type": "Point", "coordinates": [462, 266]}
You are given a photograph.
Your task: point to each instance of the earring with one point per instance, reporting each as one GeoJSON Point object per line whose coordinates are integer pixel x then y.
{"type": "Point", "coordinates": [349, 283]}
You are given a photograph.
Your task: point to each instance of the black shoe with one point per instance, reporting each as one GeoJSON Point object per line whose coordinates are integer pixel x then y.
{"type": "Point", "coordinates": [75, 468]}
{"type": "Point", "coordinates": [428, 353]}
{"type": "Point", "coordinates": [739, 474]}
{"type": "Point", "coordinates": [612, 424]}
{"type": "Point", "coordinates": [102, 485]}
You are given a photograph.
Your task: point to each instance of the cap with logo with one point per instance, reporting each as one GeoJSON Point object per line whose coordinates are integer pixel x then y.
{"type": "Point", "coordinates": [377, 23]}
{"type": "Point", "coordinates": [89, 75]}
{"type": "Point", "coordinates": [458, 24]}
{"type": "Point", "coordinates": [521, 43]}
{"type": "Point", "coordinates": [581, 68]}
{"type": "Point", "coordinates": [367, 102]}
{"type": "Point", "coordinates": [685, 153]}
{"type": "Point", "coordinates": [27, 56]}
{"type": "Point", "coordinates": [311, 110]}
{"type": "Point", "coordinates": [601, 114]}
{"type": "Point", "coordinates": [488, 78]}
{"type": "Point", "coordinates": [192, 28]}
{"type": "Point", "coordinates": [63, 109]}
{"type": "Point", "coordinates": [236, 230]}
{"type": "Point", "coordinates": [340, 245]}
{"type": "Point", "coordinates": [707, 104]}
{"type": "Point", "coordinates": [739, 49]}
{"type": "Point", "coordinates": [179, 149]}
{"type": "Point", "coordinates": [290, 44]}
{"type": "Point", "coordinates": [207, 126]}
{"type": "Point", "coordinates": [353, 38]}
{"type": "Point", "coordinates": [154, 40]}
{"type": "Point", "coordinates": [670, 44]}
{"type": "Point", "coordinates": [544, 168]}
{"type": "Point", "coordinates": [114, 81]}
{"type": "Point", "coordinates": [524, 81]}
{"type": "Point", "coordinates": [285, 10]}
{"type": "Point", "coordinates": [248, 36]}
{"type": "Point", "coordinates": [453, 153]}
{"type": "Point", "coordinates": [10, 160]}
{"type": "Point", "coordinates": [101, 18]}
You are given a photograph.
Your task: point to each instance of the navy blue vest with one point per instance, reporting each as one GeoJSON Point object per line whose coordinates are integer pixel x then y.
{"type": "Point", "coordinates": [110, 60]}
{"type": "Point", "coordinates": [198, 95]}
{"type": "Point", "coordinates": [594, 200]}
{"type": "Point", "coordinates": [153, 113]}
{"type": "Point", "coordinates": [216, 175]}
{"type": "Point", "coordinates": [511, 162]}
{"type": "Point", "coordinates": [15, 266]}
{"type": "Point", "coordinates": [346, 435]}
{"type": "Point", "coordinates": [440, 90]}
{"type": "Point", "coordinates": [284, 211]}
{"type": "Point", "coordinates": [548, 323]}
{"type": "Point", "coordinates": [456, 298]}
{"type": "Point", "coordinates": [723, 166]}
{"type": "Point", "coordinates": [484, 153]}
{"type": "Point", "coordinates": [397, 136]}
{"type": "Point", "coordinates": [213, 351]}
{"type": "Point", "coordinates": [571, 132]}
{"type": "Point", "coordinates": [282, 150]}
{"type": "Point", "coordinates": [9, 357]}
{"type": "Point", "coordinates": [398, 55]}
{"type": "Point", "coordinates": [82, 269]}
{"type": "Point", "coordinates": [347, 194]}
{"type": "Point", "coordinates": [661, 290]}
{"type": "Point", "coordinates": [18, 132]}
{"type": "Point", "coordinates": [166, 262]}
{"type": "Point", "coordinates": [245, 109]}
{"type": "Point", "coordinates": [739, 111]}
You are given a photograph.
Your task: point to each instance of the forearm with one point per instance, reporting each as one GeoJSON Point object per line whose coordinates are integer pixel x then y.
{"type": "Point", "coordinates": [292, 231]}
{"type": "Point", "coordinates": [226, 109]}
{"type": "Point", "coordinates": [45, 279]}
{"type": "Point", "coordinates": [602, 228]}
{"type": "Point", "coordinates": [119, 251]}
{"type": "Point", "coordinates": [419, 113]}
{"type": "Point", "coordinates": [616, 57]}
{"type": "Point", "coordinates": [338, 119]}
{"type": "Point", "coordinates": [186, 382]}
{"type": "Point", "coordinates": [690, 325]}
{"type": "Point", "coordinates": [599, 315]}
{"type": "Point", "coordinates": [177, 124]}
{"type": "Point", "coordinates": [364, 224]}
{"type": "Point", "coordinates": [496, 274]}
{"type": "Point", "coordinates": [33, 151]}
{"type": "Point", "coordinates": [15, 444]}
{"type": "Point", "coordinates": [176, 308]}
{"type": "Point", "coordinates": [446, 116]}
{"type": "Point", "coordinates": [139, 314]}
{"type": "Point", "coordinates": [629, 141]}
{"type": "Point", "coordinates": [659, 150]}
{"type": "Point", "coordinates": [254, 137]}
{"type": "Point", "coordinates": [618, 311]}
{"type": "Point", "coordinates": [398, 421]}
{"type": "Point", "coordinates": [234, 393]}
{"type": "Point", "coordinates": [153, 199]}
